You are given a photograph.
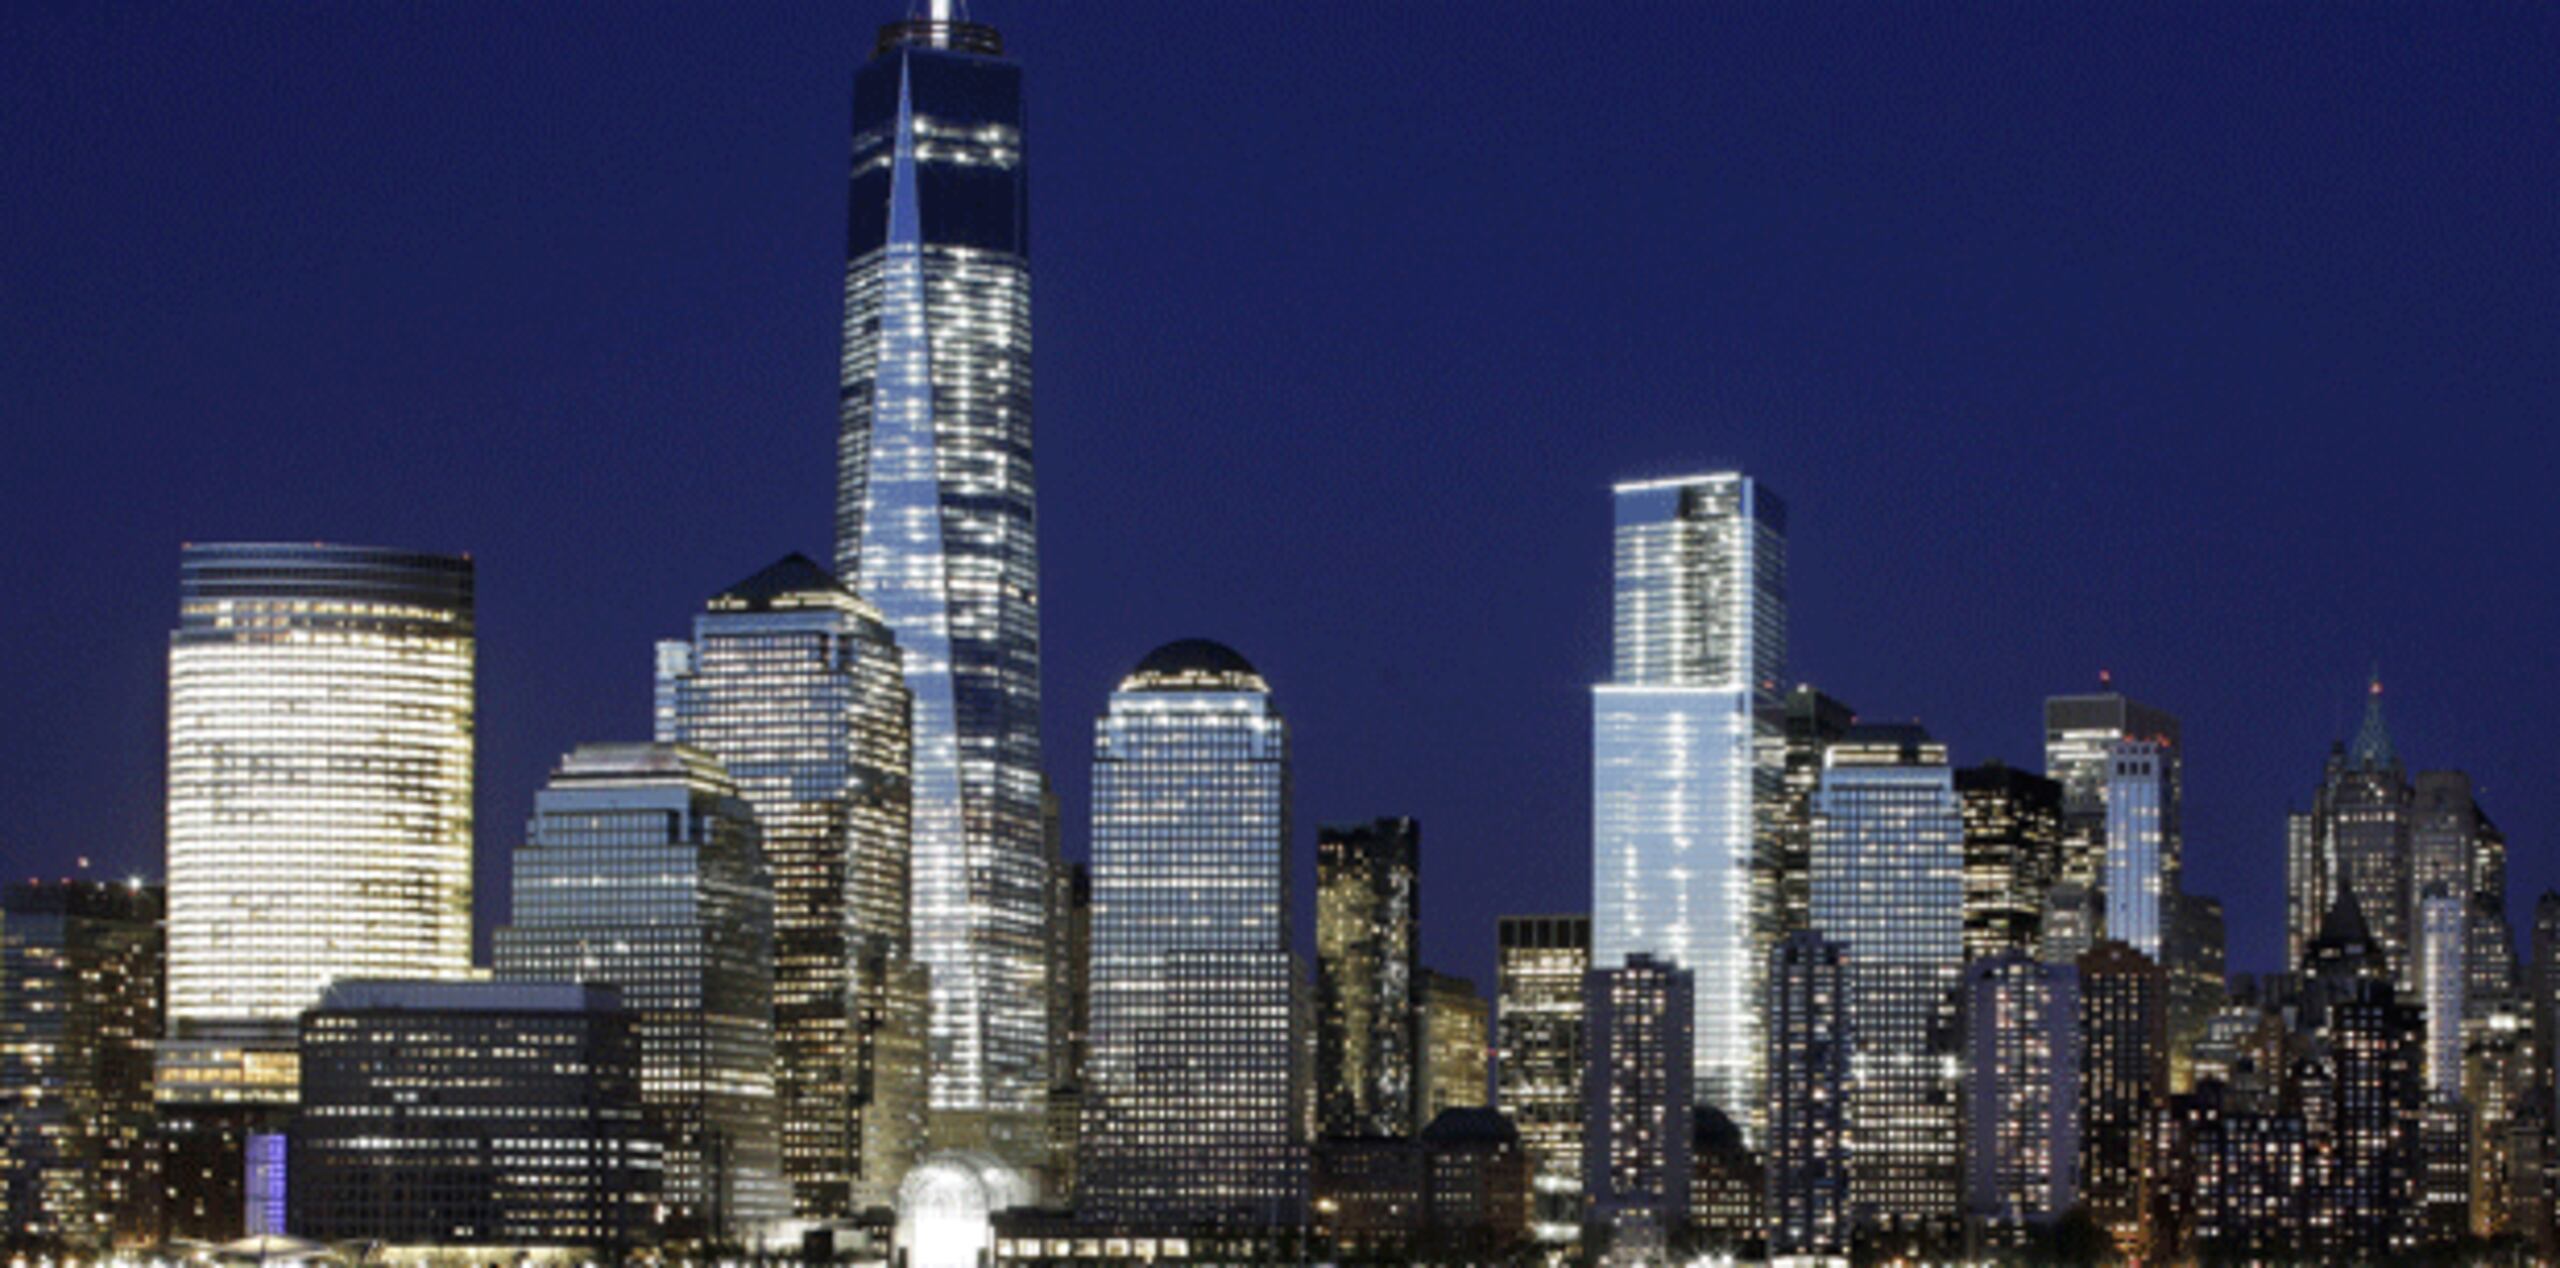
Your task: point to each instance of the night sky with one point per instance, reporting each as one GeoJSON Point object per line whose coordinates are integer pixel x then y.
{"type": "Point", "coordinates": [2215, 345]}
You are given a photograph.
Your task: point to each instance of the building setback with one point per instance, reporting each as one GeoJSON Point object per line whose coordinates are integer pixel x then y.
{"type": "Point", "coordinates": [1687, 757]}
{"type": "Point", "coordinates": [504, 1116]}
{"type": "Point", "coordinates": [641, 871]}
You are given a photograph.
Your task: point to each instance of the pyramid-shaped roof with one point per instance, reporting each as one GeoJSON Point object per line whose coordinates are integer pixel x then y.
{"type": "Point", "coordinates": [2372, 749]}
{"type": "Point", "coordinates": [794, 573]}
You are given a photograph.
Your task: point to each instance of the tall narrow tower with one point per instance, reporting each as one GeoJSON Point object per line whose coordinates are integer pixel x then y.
{"type": "Point", "coordinates": [935, 525]}
{"type": "Point", "coordinates": [1687, 759]}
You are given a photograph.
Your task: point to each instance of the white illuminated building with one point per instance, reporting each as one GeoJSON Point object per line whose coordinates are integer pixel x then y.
{"type": "Point", "coordinates": [1686, 759]}
{"type": "Point", "coordinates": [1196, 1108]}
{"type": "Point", "coordinates": [935, 525]}
{"type": "Point", "coordinates": [319, 794]}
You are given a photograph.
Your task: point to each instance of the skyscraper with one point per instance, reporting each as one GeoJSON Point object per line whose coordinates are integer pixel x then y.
{"type": "Point", "coordinates": [1538, 1055]}
{"type": "Point", "coordinates": [2444, 936]}
{"type": "Point", "coordinates": [1196, 1105]}
{"type": "Point", "coordinates": [1687, 758]}
{"type": "Point", "coordinates": [1636, 1125]}
{"type": "Point", "coordinates": [1808, 1210]}
{"type": "Point", "coordinates": [2124, 1025]}
{"type": "Point", "coordinates": [793, 683]}
{"type": "Point", "coordinates": [1810, 723]}
{"type": "Point", "coordinates": [1888, 884]}
{"type": "Point", "coordinates": [1453, 1049]}
{"type": "Point", "coordinates": [319, 803]}
{"type": "Point", "coordinates": [2140, 877]}
{"type": "Point", "coordinates": [2021, 1093]}
{"type": "Point", "coordinates": [2012, 855]}
{"type": "Point", "coordinates": [2081, 737]}
{"type": "Point", "coordinates": [935, 524]}
{"type": "Point", "coordinates": [81, 964]}
{"type": "Point", "coordinates": [1368, 978]}
{"type": "Point", "coordinates": [641, 871]}
{"type": "Point", "coordinates": [2361, 822]}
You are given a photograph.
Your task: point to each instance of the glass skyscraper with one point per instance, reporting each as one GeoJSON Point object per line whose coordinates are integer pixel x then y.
{"type": "Point", "coordinates": [2082, 736]}
{"type": "Point", "coordinates": [319, 827]}
{"type": "Point", "coordinates": [1687, 759]}
{"type": "Point", "coordinates": [1538, 1056]}
{"type": "Point", "coordinates": [794, 684]}
{"type": "Point", "coordinates": [1196, 1099]}
{"type": "Point", "coordinates": [641, 871]}
{"type": "Point", "coordinates": [1888, 884]}
{"type": "Point", "coordinates": [935, 524]}
{"type": "Point", "coordinates": [1368, 978]}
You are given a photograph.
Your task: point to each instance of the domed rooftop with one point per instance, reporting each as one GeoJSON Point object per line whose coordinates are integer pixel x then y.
{"type": "Point", "coordinates": [1194, 664]}
{"type": "Point", "coordinates": [1470, 1125]}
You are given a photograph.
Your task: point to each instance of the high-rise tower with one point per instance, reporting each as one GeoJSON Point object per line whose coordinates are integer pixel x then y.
{"type": "Point", "coordinates": [793, 683]}
{"type": "Point", "coordinates": [1687, 759]}
{"type": "Point", "coordinates": [1368, 978]}
{"type": "Point", "coordinates": [935, 525]}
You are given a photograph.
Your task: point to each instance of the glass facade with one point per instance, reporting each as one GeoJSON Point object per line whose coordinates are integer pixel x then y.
{"type": "Point", "coordinates": [1538, 1053]}
{"type": "Point", "coordinates": [1196, 1100]}
{"type": "Point", "coordinates": [1453, 1029]}
{"type": "Point", "coordinates": [320, 747]}
{"type": "Point", "coordinates": [1368, 978]}
{"type": "Point", "coordinates": [935, 524]}
{"type": "Point", "coordinates": [641, 871]}
{"type": "Point", "coordinates": [795, 685]}
{"type": "Point", "coordinates": [1888, 884]}
{"type": "Point", "coordinates": [2080, 738]}
{"type": "Point", "coordinates": [2141, 857]}
{"type": "Point", "coordinates": [2021, 1094]}
{"type": "Point", "coordinates": [2012, 856]}
{"type": "Point", "coordinates": [1687, 759]}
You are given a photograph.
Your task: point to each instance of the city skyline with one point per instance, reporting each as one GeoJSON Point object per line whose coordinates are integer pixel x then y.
{"type": "Point", "coordinates": [557, 593]}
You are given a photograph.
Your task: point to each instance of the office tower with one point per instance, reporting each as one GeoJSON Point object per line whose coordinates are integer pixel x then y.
{"type": "Point", "coordinates": [793, 684]}
{"type": "Point", "coordinates": [2082, 738]}
{"type": "Point", "coordinates": [2124, 1030]}
{"type": "Point", "coordinates": [1454, 1052]}
{"type": "Point", "coordinates": [2021, 1094]}
{"type": "Point", "coordinates": [2140, 873]}
{"type": "Point", "coordinates": [1809, 724]}
{"type": "Point", "coordinates": [1686, 757]}
{"type": "Point", "coordinates": [1538, 1055]}
{"type": "Point", "coordinates": [2369, 1099]}
{"type": "Point", "coordinates": [319, 826]}
{"type": "Point", "coordinates": [2543, 985]}
{"type": "Point", "coordinates": [2362, 817]}
{"type": "Point", "coordinates": [81, 964]}
{"type": "Point", "coordinates": [2442, 1183]}
{"type": "Point", "coordinates": [1371, 1194]}
{"type": "Point", "coordinates": [1196, 1103]}
{"type": "Point", "coordinates": [2444, 834]}
{"type": "Point", "coordinates": [2194, 958]}
{"type": "Point", "coordinates": [1808, 1208]}
{"type": "Point", "coordinates": [1369, 1020]}
{"type": "Point", "coordinates": [1638, 1092]}
{"type": "Point", "coordinates": [935, 524]}
{"type": "Point", "coordinates": [2247, 1164]}
{"type": "Point", "coordinates": [641, 871]}
{"type": "Point", "coordinates": [505, 1117]}
{"type": "Point", "coordinates": [2444, 932]}
{"type": "Point", "coordinates": [2012, 856]}
{"type": "Point", "coordinates": [1888, 884]}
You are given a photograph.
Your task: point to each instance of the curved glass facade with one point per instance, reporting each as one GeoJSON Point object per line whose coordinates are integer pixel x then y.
{"type": "Point", "coordinates": [320, 750]}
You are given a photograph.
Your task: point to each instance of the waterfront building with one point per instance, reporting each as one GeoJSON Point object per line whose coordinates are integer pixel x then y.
{"type": "Point", "coordinates": [2021, 1095]}
{"type": "Point", "coordinates": [1538, 1058]}
{"type": "Point", "coordinates": [936, 524]}
{"type": "Point", "coordinates": [1810, 722]}
{"type": "Point", "coordinates": [1369, 1004]}
{"type": "Point", "coordinates": [1196, 1095]}
{"type": "Point", "coordinates": [2124, 1084]}
{"type": "Point", "coordinates": [793, 683]}
{"type": "Point", "coordinates": [1688, 760]}
{"type": "Point", "coordinates": [2012, 856]}
{"type": "Point", "coordinates": [1455, 1021]}
{"type": "Point", "coordinates": [641, 871]}
{"type": "Point", "coordinates": [1807, 1207]}
{"type": "Point", "coordinates": [1638, 1095]}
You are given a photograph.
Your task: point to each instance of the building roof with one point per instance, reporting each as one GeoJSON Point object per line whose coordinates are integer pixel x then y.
{"type": "Point", "coordinates": [794, 573]}
{"type": "Point", "coordinates": [2372, 749]}
{"type": "Point", "coordinates": [1470, 1125]}
{"type": "Point", "coordinates": [1194, 664]}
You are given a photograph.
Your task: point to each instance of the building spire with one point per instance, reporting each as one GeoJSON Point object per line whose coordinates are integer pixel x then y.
{"type": "Point", "coordinates": [2373, 749]}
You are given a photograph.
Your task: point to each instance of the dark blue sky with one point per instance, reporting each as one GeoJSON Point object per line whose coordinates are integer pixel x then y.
{"type": "Point", "coordinates": [2217, 345]}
